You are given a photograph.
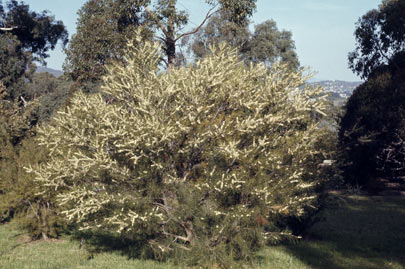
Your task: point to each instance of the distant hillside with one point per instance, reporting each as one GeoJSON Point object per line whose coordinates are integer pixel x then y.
{"type": "Point", "coordinates": [339, 91]}
{"type": "Point", "coordinates": [42, 69]}
{"type": "Point", "coordinates": [343, 88]}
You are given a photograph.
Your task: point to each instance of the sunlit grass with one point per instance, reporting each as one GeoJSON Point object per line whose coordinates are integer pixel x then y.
{"type": "Point", "coordinates": [16, 252]}
{"type": "Point", "coordinates": [366, 232]}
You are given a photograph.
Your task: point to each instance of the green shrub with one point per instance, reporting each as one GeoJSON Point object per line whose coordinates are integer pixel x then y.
{"type": "Point", "coordinates": [20, 197]}
{"type": "Point", "coordinates": [19, 193]}
{"type": "Point", "coordinates": [201, 162]}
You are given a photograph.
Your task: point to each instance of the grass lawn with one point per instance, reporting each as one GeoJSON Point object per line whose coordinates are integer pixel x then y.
{"type": "Point", "coordinates": [18, 253]}
{"type": "Point", "coordinates": [351, 232]}
{"type": "Point", "coordinates": [366, 232]}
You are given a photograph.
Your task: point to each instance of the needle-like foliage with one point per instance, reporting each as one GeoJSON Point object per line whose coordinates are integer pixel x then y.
{"type": "Point", "coordinates": [206, 160]}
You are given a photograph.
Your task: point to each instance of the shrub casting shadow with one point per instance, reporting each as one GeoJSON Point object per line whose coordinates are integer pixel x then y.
{"type": "Point", "coordinates": [102, 241]}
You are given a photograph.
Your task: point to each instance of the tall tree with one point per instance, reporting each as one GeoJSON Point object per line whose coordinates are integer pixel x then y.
{"type": "Point", "coordinates": [105, 26]}
{"type": "Point", "coordinates": [37, 32]}
{"type": "Point", "coordinates": [380, 35]}
{"type": "Point", "coordinates": [103, 30]}
{"type": "Point", "coordinates": [266, 44]}
{"type": "Point", "coordinates": [169, 20]}
{"type": "Point", "coordinates": [220, 28]}
{"type": "Point", "coordinates": [25, 37]}
{"type": "Point", "coordinates": [372, 129]}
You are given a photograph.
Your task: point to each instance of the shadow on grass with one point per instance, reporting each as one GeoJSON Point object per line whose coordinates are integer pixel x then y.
{"type": "Point", "coordinates": [101, 241]}
{"type": "Point", "coordinates": [356, 232]}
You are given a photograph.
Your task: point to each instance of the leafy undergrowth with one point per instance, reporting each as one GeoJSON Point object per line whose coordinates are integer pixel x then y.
{"type": "Point", "coordinates": [351, 232]}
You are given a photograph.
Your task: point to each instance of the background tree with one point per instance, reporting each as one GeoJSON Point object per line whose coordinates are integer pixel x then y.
{"type": "Point", "coordinates": [31, 35]}
{"type": "Point", "coordinates": [103, 30]}
{"type": "Point", "coordinates": [373, 123]}
{"type": "Point", "coordinates": [371, 131]}
{"type": "Point", "coordinates": [105, 26]}
{"type": "Point", "coordinates": [266, 44]}
{"type": "Point", "coordinates": [220, 28]}
{"type": "Point", "coordinates": [169, 20]}
{"type": "Point", "coordinates": [37, 32]}
{"type": "Point", "coordinates": [15, 66]}
{"type": "Point", "coordinates": [380, 35]}
{"type": "Point", "coordinates": [51, 94]}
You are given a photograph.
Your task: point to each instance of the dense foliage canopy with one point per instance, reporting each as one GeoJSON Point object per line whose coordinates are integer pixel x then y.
{"type": "Point", "coordinates": [380, 35]}
{"type": "Point", "coordinates": [210, 158]}
{"type": "Point", "coordinates": [265, 45]}
{"type": "Point", "coordinates": [37, 32]}
{"type": "Point", "coordinates": [25, 37]}
{"type": "Point", "coordinates": [105, 26]}
{"type": "Point", "coordinates": [103, 29]}
{"type": "Point", "coordinates": [15, 66]}
{"type": "Point", "coordinates": [371, 131]}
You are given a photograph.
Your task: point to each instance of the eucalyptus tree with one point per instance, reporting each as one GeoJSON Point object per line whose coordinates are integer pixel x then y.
{"type": "Point", "coordinates": [371, 135]}
{"type": "Point", "coordinates": [266, 44]}
{"type": "Point", "coordinates": [25, 37]}
{"type": "Point", "coordinates": [380, 35]}
{"type": "Point", "coordinates": [105, 27]}
{"type": "Point", "coordinates": [103, 30]}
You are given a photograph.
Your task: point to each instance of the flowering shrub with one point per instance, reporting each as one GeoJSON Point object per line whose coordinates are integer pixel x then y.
{"type": "Point", "coordinates": [203, 159]}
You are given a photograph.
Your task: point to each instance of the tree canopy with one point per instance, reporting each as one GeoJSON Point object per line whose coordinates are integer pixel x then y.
{"type": "Point", "coordinates": [266, 44]}
{"type": "Point", "coordinates": [220, 28]}
{"type": "Point", "coordinates": [169, 20]}
{"type": "Point", "coordinates": [103, 30]}
{"type": "Point", "coordinates": [25, 100]}
{"type": "Point", "coordinates": [37, 32]}
{"type": "Point", "coordinates": [25, 37]}
{"type": "Point", "coordinates": [15, 65]}
{"type": "Point", "coordinates": [104, 26]}
{"type": "Point", "coordinates": [380, 35]}
{"type": "Point", "coordinates": [371, 135]}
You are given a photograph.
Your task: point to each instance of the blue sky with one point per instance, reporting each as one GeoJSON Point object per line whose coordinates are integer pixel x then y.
{"type": "Point", "coordinates": [322, 29]}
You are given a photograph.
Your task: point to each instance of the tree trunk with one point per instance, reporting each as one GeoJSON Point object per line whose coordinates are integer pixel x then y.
{"type": "Point", "coordinates": [170, 51]}
{"type": "Point", "coordinates": [170, 41]}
